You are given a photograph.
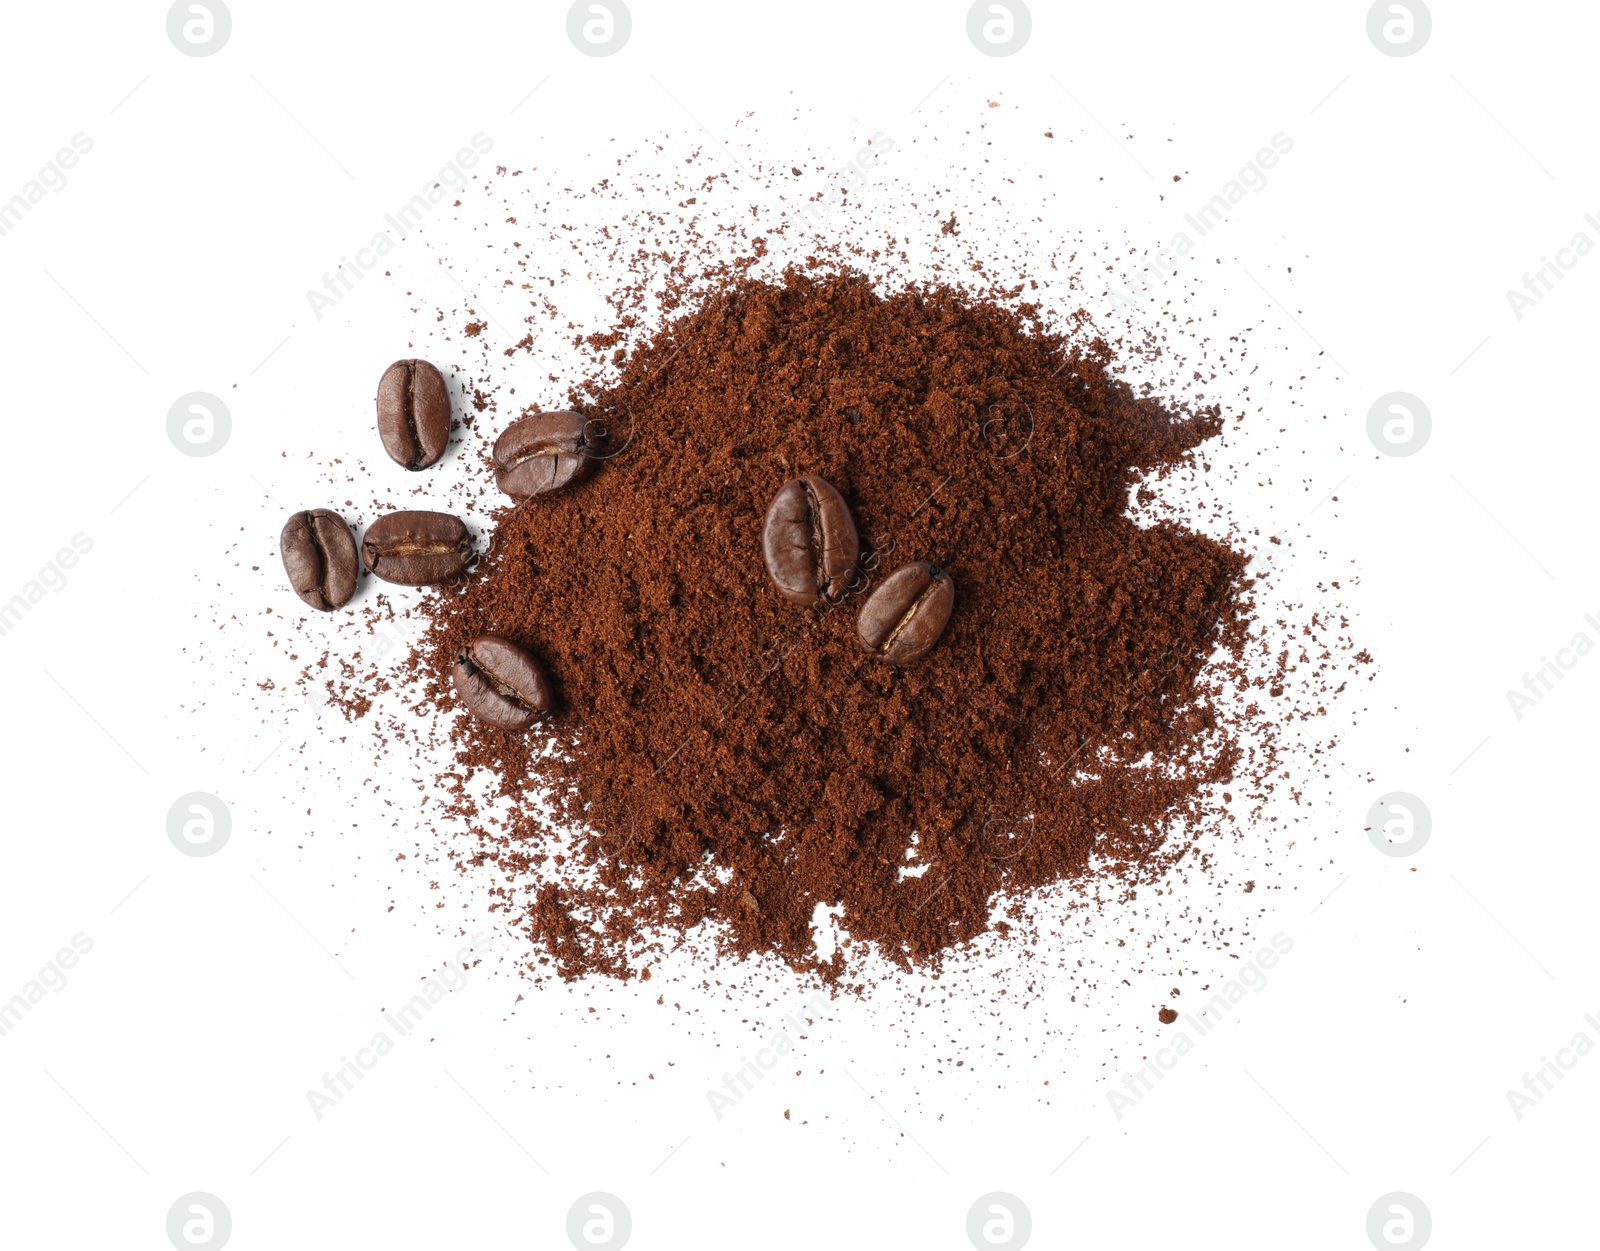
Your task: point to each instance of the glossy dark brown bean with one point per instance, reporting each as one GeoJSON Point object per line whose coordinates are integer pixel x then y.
{"type": "Point", "coordinates": [543, 453]}
{"type": "Point", "coordinates": [319, 555]}
{"type": "Point", "coordinates": [810, 541]}
{"type": "Point", "coordinates": [413, 413]}
{"type": "Point", "coordinates": [501, 683]}
{"type": "Point", "coordinates": [908, 612]}
{"type": "Point", "coordinates": [417, 548]}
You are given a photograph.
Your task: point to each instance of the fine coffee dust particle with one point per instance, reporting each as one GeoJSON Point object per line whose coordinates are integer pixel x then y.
{"type": "Point", "coordinates": [722, 758]}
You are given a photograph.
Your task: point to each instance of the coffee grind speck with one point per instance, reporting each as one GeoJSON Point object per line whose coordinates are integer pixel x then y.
{"type": "Point", "coordinates": [721, 760]}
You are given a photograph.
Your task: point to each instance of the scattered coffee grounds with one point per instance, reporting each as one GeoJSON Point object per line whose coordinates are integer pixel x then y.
{"type": "Point", "coordinates": [722, 760]}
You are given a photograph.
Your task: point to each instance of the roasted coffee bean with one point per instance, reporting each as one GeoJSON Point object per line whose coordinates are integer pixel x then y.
{"type": "Point", "coordinates": [417, 548]}
{"type": "Point", "coordinates": [319, 555]}
{"type": "Point", "coordinates": [501, 683]}
{"type": "Point", "coordinates": [413, 413]}
{"type": "Point", "coordinates": [543, 453]}
{"type": "Point", "coordinates": [810, 541]}
{"type": "Point", "coordinates": [905, 616]}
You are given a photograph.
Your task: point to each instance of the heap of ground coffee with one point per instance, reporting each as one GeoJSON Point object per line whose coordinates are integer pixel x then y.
{"type": "Point", "coordinates": [718, 756]}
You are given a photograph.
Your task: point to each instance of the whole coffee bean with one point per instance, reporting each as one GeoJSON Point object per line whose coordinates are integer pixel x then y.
{"type": "Point", "coordinates": [543, 453]}
{"type": "Point", "coordinates": [810, 541]}
{"type": "Point", "coordinates": [417, 548]}
{"type": "Point", "coordinates": [905, 616]}
{"type": "Point", "coordinates": [319, 555]}
{"type": "Point", "coordinates": [413, 413]}
{"type": "Point", "coordinates": [501, 683]}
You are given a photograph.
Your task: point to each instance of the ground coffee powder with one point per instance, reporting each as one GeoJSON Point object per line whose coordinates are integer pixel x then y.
{"type": "Point", "coordinates": [722, 758]}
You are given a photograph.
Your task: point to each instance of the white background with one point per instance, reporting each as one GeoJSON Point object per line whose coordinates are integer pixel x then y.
{"type": "Point", "coordinates": [177, 257]}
